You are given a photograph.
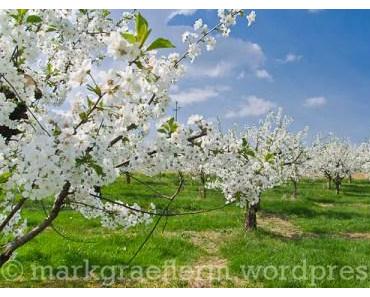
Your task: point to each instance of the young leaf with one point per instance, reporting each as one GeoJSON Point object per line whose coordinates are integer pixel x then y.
{"type": "Point", "coordinates": [269, 157]}
{"type": "Point", "coordinates": [168, 127]}
{"type": "Point", "coordinates": [129, 37]}
{"type": "Point", "coordinates": [83, 116]}
{"type": "Point", "coordinates": [142, 29]}
{"type": "Point", "coordinates": [51, 28]}
{"type": "Point", "coordinates": [160, 43]}
{"type": "Point", "coordinates": [19, 17]}
{"type": "Point", "coordinates": [33, 19]}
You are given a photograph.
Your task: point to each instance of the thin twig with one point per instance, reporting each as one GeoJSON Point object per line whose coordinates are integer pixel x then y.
{"type": "Point", "coordinates": [60, 233]}
{"type": "Point", "coordinates": [157, 222]}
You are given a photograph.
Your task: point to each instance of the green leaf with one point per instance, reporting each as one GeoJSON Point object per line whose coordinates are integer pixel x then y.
{"type": "Point", "coordinates": [33, 19]}
{"type": "Point", "coordinates": [90, 103]}
{"type": "Point", "coordinates": [160, 43]}
{"type": "Point", "coordinates": [269, 157]}
{"type": "Point", "coordinates": [90, 162]}
{"type": "Point", "coordinates": [22, 12]}
{"type": "Point", "coordinates": [57, 131]}
{"type": "Point", "coordinates": [49, 69]}
{"type": "Point", "coordinates": [144, 38]}
{"type": "Point", "coordinates": [246, 150]}
{"type": "Point", "coordinates": [4, 177]}
{"type": "Point", "coordinates": [162, 130]}
{"type": "Point", "coordinates": [129, 37]}
{"type": "Point", "coordinates": [83, 116]}
{"type": "Point", "coordinates": [142, 29]}
{"type": "Point", "coordinates": [51, 28]}
{"type": "Point", "coordinates": [106, 12]}
{"type": "Point", "coordinates": [168, 127]}
{"type": "Point", "coordinates": [95, 90]}
{"type": "Point", "coordinates": [98, 169]}
{"type": "Point", "coordinates": [19, 17]}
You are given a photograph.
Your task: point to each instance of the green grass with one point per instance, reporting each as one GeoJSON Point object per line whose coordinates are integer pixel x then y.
{"type": "Point", "coordinates": [324, 224]}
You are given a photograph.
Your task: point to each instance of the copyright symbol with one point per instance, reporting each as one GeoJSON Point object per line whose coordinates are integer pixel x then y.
{"type": "Point", "coordinates": [12, 270]}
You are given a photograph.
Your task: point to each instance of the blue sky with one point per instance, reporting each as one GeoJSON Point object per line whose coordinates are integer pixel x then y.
{"type": "Point", "coordinates": [313, 64]}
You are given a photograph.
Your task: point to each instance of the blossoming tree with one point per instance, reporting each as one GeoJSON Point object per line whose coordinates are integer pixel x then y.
{"type": "Point", "coordinates": [51, 57]}
{"type": "Point", "coordinates": [247, 163]}
{"type": "Point", "coordinates": [335, 159]}
{"type": "Point", "coordinates": [297, 159]}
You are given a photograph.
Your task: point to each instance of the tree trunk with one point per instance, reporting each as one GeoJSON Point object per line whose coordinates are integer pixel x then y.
{"type": "Point", "coordinates": [329, 183]}
{"type": "Point", "coordinates": [202, 187]}
{"type": "Point", "coordinates": [128, 178]}
{"type": "Point", "coordinates": [20, 241]}
{"type": "Point", "coordinates": [337, 186]}
{"type": "Point", "coordinates": [350, 178]}
{"type": "Point", "coordinates": [295, 191]}
{"type": "Point", "coordinates": [251, 218]}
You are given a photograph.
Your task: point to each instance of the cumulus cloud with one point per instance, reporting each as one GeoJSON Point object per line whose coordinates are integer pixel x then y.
{"type": "Point", "coordinates": [175, 13]}
{"type": "Point", "coordinates": [253, 106]}
{"type": "Point", "coordinates": [315, 102]}
{"type": "Point", "coordinates": [231, 57]}
{"type": "Point", "coordinates": [196, 95]}
{"type": "Point", "coordinates": [290, 58]}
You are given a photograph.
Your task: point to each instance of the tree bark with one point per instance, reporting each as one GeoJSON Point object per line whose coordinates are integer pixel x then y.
{"type": "Point", "coordinates": [337, 186]}
{"type": "Point", "coordinates": [17, 207]}
{"type": "Point", "coordinates": [202, 187]}
{"type": "Point", "coordinates": [329, 183]}
{"type": "Point", "coordinates": [128, 178]}
{"type": "Point", "coordinates": [20, 241]}
{"type": "Point", "coordinates": [251, 218]}
{"type": "Point", "coordinates": [295, 189]}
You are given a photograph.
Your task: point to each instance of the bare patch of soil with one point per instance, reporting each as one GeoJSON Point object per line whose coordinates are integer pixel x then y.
{"type": "Point", "coordinates": [356, 235]}
{"type": "Point", "coordinates": [278, 226]}
{"type": "Point", "coordinates": [325, 205]}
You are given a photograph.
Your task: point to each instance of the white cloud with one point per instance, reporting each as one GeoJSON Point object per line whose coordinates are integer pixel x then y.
{"type": "Point", "coordinates": [195, 95]}
{"type": "Point", "coordinates": [290, 58]}
{"type": "Point", "coordinates": [315, 102]}
{"type": "Point", "coordinates": [253, 106]}
{"type": "Point", "coordinates": [231, 57]}
{"type": "Point", "coordinates": [180, 12]}
{"type": "Point", "coordinates": [263, 74]}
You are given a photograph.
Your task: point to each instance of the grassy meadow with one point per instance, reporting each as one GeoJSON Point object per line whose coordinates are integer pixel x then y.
{"type": "Point", "coordinates": [318, 239]}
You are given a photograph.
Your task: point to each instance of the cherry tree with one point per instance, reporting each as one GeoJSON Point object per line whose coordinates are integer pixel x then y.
{"type": "Point", "coordinates": [335, 159]}
{"type": "Point", "coordinates": [54, 58]}
{"type": "Point", "coordinates": [297, 159]}
{"type": "Point", "coordinates": [363, 158]}
{"type": "Point", "coordinates": [247, 163]}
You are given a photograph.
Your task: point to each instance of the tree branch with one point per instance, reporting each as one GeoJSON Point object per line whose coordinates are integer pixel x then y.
{"type": "Point", "coordinates": [20, 241]}
{"type": "Point", "coordinates": [17, 207]}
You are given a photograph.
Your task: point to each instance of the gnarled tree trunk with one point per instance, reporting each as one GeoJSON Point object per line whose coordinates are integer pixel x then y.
{"type": "Point", "coordinates": [251, 217]}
